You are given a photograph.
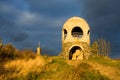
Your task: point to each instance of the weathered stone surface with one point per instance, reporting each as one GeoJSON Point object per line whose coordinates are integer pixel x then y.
{"type": "Point", "coordinates": [75, 39]}
{"type": "Point", "coordinates": [38, 51]}
{"type": "Point", "coordinates": [72, 23]}
{"type": "Point", "coordinates": [85, 49]}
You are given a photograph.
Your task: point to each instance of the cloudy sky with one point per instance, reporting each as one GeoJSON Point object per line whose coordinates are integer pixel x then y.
{"type": "Point", "coordinates": [27, 22]}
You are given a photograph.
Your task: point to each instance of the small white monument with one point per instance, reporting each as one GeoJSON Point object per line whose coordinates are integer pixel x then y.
{"type": "Point", "coordinates": [0, 42]}
{"type": "Point", "coordinates": [38, 49]}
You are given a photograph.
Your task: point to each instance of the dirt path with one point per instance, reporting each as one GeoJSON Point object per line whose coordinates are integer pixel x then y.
{"type": "Point", "coordinates": [111, 72]}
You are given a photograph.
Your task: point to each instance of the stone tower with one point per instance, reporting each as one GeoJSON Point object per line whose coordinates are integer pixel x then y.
{"type": "Point", "coordinates": [75, 39]}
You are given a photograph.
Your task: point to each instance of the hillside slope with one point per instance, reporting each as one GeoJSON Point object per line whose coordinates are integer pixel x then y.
{"type": "Point", "coordinates": [57, 68]}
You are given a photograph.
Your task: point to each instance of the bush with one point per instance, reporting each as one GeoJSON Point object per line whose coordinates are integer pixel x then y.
{"type": "Point", "coordinates": [26, 54]}
{"type": "Point", "coordinates": [101, 47]}
{"type": "Point", "coordinates": [95, 48]}
{"type": "Point", "coordinates": [8, 51]}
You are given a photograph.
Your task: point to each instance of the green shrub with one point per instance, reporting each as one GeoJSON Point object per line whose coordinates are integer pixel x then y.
{"type": "Point", "coordinates": [101, 47]}
{"type": "Point", "coordinates": [8, 51]}
{"type": "Point", "coordinates": [26, 54]}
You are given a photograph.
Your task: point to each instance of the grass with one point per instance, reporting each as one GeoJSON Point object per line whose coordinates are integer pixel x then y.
{"type": "Point", "coordinates": [26, 65]}
{"type": "Point", "coordinates": [22, 67]}
{"type": "Point", "coordinates": [106, 61]}
{"type": "Point", "coordinates": [48, 68]}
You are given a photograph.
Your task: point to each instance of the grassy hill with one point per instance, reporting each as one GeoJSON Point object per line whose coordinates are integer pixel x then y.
{"type": "Point", "coordinates": [26, 65]}
{"type": "Point", "coordinates": [57, 68]}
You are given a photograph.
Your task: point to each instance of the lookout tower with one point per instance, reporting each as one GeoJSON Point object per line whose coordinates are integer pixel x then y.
{"type": "Point", "coordinates": [75, 39]}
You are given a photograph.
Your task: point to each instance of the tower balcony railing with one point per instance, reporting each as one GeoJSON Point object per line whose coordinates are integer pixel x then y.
{"type": "Point", "coordinates": [77, 34]}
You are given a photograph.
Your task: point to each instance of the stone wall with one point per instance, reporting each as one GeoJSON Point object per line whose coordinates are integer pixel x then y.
{"type": "Point", "coordinates": [66, 47]}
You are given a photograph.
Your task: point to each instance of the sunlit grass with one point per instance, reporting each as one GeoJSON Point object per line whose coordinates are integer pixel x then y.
{"type": "Point", "coordinates": [22, 67]}
{"type": "Point", "coordinates": [51, 68]}
{"type": "Point", "coordinates": [105, 61]}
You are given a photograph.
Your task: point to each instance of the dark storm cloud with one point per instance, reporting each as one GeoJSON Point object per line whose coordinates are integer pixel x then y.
{"type": "Point", "coordinates": [54, 8]}
{"type": "Point", "coordinates": [102, 14]}
{"type": "Point", "coordinates": [43, 22]}
{"type": "Point", "coordinates": [104, 18]}
{"type": "Point", "coordinates": [8, 29]}
{"type": "Point", "coordinates": [26, 22]}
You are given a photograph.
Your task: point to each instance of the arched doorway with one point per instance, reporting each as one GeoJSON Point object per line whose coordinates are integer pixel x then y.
{"type": "Point", "coordinates": [73, 50]}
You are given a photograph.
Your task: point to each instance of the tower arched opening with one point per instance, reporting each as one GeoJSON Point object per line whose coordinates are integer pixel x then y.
{"type": "Point", "coordinates": [65, 33]}
{"type": "Point", "coordinates": [88, 32]}
{"type": "Point", "coordinates": [77, 32]}
{"type": "Point", "coordinates": [73, 51]}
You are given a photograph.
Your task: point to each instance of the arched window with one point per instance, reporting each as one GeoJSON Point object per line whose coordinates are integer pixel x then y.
{"type": "Point", "coordinates": [88, 32]}
{"type": "Point", "coordinates": [65, 33]}
{"type": "Point", "coordinates": [77, 32]}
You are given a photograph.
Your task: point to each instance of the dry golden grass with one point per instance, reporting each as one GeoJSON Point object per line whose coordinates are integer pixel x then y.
{"type": "Point", "coordinates": [22, 67]}
{"type": "Point", "coordinates": [48, 68]}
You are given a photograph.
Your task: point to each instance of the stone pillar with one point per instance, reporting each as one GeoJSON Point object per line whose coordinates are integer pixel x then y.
{"type": "Point", "coordinates": [0, 42]}
{"type": "Point", "coordinates": [38, 49]}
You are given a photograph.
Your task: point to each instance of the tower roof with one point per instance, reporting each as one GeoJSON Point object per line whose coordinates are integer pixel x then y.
{"type": "Point", "coordinates": [76, 21]}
